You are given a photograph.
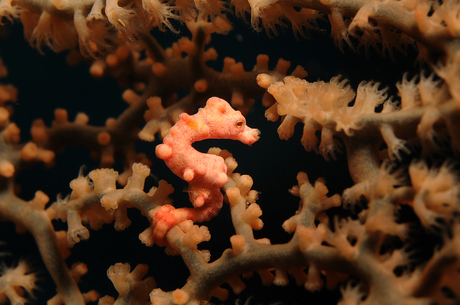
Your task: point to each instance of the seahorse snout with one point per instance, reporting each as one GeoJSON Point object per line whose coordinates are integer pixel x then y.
{"type": "Point", "coordinates": [249, 135]}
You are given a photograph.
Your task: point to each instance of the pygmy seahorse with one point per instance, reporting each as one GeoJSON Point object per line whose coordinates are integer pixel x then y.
{"type": "Point", "coordinates": [205, 173]}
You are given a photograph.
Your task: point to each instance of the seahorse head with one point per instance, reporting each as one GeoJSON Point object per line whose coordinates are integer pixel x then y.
{"type": "Point", "coordinates": [226, 123]}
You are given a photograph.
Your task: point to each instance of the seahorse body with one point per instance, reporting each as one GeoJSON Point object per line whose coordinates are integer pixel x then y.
{"type": "Point", "coordinates": [205, 173]}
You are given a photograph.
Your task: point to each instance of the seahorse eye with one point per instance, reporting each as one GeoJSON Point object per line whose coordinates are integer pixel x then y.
{"type": "Point", "coordinates": [239, 123]}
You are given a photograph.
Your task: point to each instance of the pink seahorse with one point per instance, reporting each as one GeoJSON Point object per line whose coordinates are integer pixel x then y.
{"type": "Point", "coordinates": [205, 173]}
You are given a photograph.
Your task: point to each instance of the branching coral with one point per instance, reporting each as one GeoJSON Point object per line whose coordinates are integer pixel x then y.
{"type": "Point", "coordinates": [15, 281]}
{"type": "Point", "coordinates": [388, 235]}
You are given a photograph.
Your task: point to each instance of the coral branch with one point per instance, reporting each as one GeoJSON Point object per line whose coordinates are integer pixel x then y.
{"type": "Point", "coordinates": [385, 232]}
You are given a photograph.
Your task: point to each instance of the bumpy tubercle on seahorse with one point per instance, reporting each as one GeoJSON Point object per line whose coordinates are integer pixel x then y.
{"type": "Point", "coordinates": [205, 173]}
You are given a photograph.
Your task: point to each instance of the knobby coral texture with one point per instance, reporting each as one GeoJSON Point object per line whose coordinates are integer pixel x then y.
{"type": "Point", "coordinates": [119, 182]}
